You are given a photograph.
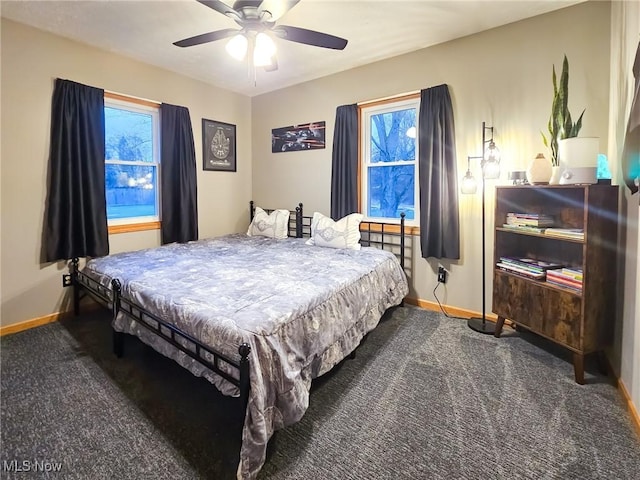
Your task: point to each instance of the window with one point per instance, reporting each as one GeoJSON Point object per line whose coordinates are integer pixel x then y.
{"type": "Point", "coordinates": [132, 152]}
{"type": "Point", "coordinates": [389, 150]}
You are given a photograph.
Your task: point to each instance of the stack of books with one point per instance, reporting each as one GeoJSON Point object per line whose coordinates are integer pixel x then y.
{"type": "Point", "coordinates": [575, 233]}
{"type": "Point", "coordinates": [535, 222]}
{"type": "Point", "coordinates": [527, 267]}
{"type": "Point", "coordinates": [566, 277]}
{"type": "Point", "coordinates": [524, 228]}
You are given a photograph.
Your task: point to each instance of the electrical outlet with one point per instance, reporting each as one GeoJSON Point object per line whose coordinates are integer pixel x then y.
{"type": "Point", "coordinates": [442, 275]}
{"type": "Point", "coordinates": [66, 280]}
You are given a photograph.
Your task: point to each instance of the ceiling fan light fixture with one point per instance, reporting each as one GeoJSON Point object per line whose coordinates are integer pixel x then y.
{"type": "Point", "coordinates": [264, 50]}
{"type": "Point", "coordinates": [237, 46]}
{"type": "Point", "coordinates": [259, 61]}
{"type": "Point", "coordinates": [254, 42]}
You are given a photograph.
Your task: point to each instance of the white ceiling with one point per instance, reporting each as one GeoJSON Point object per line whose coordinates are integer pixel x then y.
{"type": "Point", "coordinates": [376, 29]}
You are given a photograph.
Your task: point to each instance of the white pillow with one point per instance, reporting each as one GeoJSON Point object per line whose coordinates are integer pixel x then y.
{"type": "Point", "coordinates": [344, 233]}
{"type": "Point", "coordinates": [273, 225]}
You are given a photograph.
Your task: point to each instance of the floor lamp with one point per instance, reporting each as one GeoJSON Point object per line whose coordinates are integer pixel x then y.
{"type": "Point", "coordinates": [490, 167]}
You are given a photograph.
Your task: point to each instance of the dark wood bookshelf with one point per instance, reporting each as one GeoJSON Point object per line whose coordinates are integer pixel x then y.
{"type": "Point", "coordinates": [581, 321]}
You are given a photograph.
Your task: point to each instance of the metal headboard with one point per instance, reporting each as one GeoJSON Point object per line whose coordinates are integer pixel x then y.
{"type": "Point", "coordinates": [295, 219]}
{"type": "Point", "coordinates": [386, 236]}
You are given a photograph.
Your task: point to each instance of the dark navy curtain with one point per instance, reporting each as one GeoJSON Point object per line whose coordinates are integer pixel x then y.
{"type": "Point", "coordinates": [178, 176]}
{"type": "Point", "coordinates": [439, 215]}
{"type": "Point", "coordinates": [631, 152]}
{"type": "Point", "coordinates": [344, 162]}
{"type": "Point", "coordinates": [75, 223]}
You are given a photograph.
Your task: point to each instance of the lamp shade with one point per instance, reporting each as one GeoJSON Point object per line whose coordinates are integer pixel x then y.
{"type": "Point", "coordinates": [492, 153]}
{"type": "Point", "coordinates": [469, 184]}
{"type": "Point", "coordinates": [237, 47]}
{"type": "Point", "coordinates": [264, 51]}
{"type": "Point", "coordinates": [491, 162]}
{"type": "Point", "coordinates": [491, 170]}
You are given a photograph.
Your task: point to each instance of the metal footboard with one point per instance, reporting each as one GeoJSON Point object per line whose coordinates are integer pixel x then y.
{"type": "Point", "coordinates": [112, 298]}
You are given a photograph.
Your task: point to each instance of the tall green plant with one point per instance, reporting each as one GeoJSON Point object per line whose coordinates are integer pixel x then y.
{"type": "Point", "coordinates": [560, 124]}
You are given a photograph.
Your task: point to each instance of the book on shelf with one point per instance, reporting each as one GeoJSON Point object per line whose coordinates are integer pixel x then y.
{"type": "Point", "coordinates": [575, 286]}
{"type": "Point", "coordinates": [531, 263]}
{"type": "Point", "coordinates": [568, 287]}
{"type": "Point", "coordinates": [574, 233]}
{"type": "Point", "coordinates": [565, 277]}
{"type": "Point", "coordinates": [525, 272]}
{"type": "Point", "coordinates": [524, 228]}
{"type": "Point", "coordinates": [529, 219]}
{"type": "Point", "coordinates": [531, 215]}
{"type": "Point", "coordinates": [575, 273]}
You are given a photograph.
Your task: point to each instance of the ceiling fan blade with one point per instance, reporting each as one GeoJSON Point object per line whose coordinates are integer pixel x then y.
{"type": "Point", "coordinates": [309, 37]}
{"type": "Point", "coordinates": [221, 7]}
{"type": "Point", "coordinates": [206, 37]}
{"type": "Point", "coordinates": [276, 8]}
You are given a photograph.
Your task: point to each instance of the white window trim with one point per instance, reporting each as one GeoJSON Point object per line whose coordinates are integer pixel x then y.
{"type": "Point", "coordinates": [154, 111]}
{"type": "Point", "coordinates": [365, 117]}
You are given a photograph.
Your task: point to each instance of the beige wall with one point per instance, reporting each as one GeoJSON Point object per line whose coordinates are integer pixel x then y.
{"type": "Point", "coordinates": [625, 34]}
{"type": "Point", "coordinates": [31, 61]}
{"type": "Point", "coordinates": [502, 76]}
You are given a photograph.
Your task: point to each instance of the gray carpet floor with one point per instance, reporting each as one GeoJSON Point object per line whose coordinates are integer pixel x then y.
{"type": "Point", "coordinates": [425, 398]}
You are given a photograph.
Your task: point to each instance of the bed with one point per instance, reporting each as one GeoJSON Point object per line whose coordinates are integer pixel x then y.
{"type": "Point", "coordinates": [258, 317]}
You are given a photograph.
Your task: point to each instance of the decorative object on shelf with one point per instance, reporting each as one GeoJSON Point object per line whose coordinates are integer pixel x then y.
{"type": "Point", "coordinates": [556, 172]}
{"type": "Point", "coordinates": [490, 167]}
{"type": "Point", "coordinates": [218, 146]}
{"type": "Point", "coordinates": [579, 157]}
{"type": "Point", "coordinates": [307, 136]}
{"type": "Point", "coordinates": [539, 170]}
{"type": "Point", "coordinates": [560, 124]}
{"type": "Point", "coordinates": [604, 173]}
{"type": "Point", "coordinates": [518, 177]}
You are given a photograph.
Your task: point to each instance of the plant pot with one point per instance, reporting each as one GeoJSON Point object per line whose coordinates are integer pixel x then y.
{"type": "Point", "coordinates": [540, 170]}
{"type": "Point", "coordinates": [555, 175]}
{"type": "Point", "coordinates": [579, 159]}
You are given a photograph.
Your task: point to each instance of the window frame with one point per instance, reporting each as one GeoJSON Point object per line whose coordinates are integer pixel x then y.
{"type": "Point", "coordinates": [136, 105]}
{"type": "Point", "coordinates": [365, 111]}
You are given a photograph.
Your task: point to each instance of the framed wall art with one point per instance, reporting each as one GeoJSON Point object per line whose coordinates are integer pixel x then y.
{"type": "Point", "coordinates": [307, 136]}
{"type": "Point", "coordinates": [218, 146]}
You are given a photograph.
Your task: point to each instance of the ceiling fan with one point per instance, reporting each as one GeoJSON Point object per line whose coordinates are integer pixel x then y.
{"type": "Point", "coordinates": [257, 19]}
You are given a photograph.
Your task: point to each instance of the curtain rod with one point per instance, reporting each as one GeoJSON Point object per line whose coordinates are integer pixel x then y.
{"type": "Point", "coordinates": [391, 97]}
{"type": "Point", "coordinates": [125, 95]}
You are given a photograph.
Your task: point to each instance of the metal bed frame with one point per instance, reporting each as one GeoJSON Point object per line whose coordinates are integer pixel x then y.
{"type": "Point", "coordinates": [112, 298]}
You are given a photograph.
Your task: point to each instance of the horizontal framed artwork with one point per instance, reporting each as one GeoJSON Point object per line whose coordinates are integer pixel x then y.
{"type": "Point", "coordinates": [295, 138]}
{"type": "Point", "coordinates": [218, 146]}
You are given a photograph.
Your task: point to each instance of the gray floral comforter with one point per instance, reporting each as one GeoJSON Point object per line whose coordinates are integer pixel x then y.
{"type": "Point", "coordinates": [301, 308]}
